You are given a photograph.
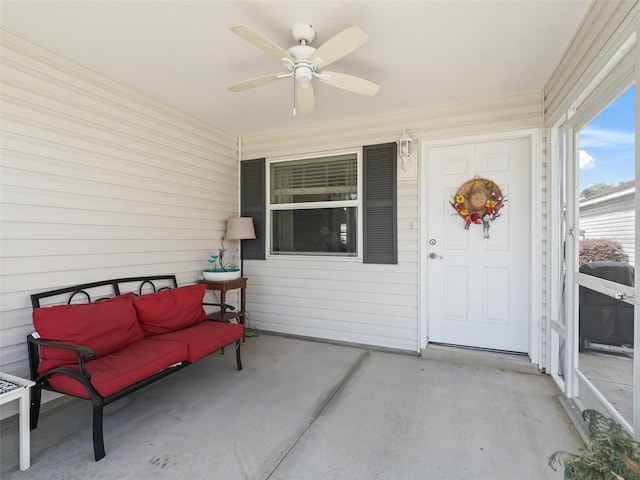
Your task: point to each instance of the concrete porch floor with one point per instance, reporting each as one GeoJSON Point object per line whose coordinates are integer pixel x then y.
{"type": "Point", "coordinates": [310, 410]}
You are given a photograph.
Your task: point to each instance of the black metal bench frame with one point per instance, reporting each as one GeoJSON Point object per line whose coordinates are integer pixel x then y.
{"type": "Point", "coordinates": [83, 353]}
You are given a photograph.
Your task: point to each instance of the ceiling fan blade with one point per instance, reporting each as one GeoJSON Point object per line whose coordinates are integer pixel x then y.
{"type": "Point", "coordinates": [350, 83]}
{"type": "Point", "coordinates": [255, 82]}
{"type": "Point", "coordinates": [339, 46]}
{"type": "Point", "coordinates": [261, 42]}
{"type": "Point", "coordinates": [305, 99]}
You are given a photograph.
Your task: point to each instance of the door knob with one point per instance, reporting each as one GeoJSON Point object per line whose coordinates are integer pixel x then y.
{"type": "Point", "coordinates": [434, 255]}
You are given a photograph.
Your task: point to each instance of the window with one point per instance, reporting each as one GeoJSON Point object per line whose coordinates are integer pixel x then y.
{"type": "Point", "coordinates": [318, 206]}
{"type": "Point", "coordinates": [313, 206]}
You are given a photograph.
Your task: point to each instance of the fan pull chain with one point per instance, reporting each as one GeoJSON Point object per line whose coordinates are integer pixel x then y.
{"type": "Point", "coordinates": [294, 94]}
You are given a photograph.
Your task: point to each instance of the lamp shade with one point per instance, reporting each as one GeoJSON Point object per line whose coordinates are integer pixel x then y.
{"type": "Point", "coordinates": [240, 228]}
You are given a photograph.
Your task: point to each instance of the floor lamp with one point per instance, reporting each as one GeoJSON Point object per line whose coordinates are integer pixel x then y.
{"type": "Point", "coordinates": [240, 228]}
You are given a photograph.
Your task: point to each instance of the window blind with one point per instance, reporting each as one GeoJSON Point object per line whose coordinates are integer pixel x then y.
{"type": "Point", "coordinates": [293, 181]}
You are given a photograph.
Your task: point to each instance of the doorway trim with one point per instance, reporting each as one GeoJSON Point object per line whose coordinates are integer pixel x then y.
{"type": "Point", "coordinates": [537, 323]}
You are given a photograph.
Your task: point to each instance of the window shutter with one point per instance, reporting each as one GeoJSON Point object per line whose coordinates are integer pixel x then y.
{"type": "Point", "coordinates": [379, 204]}
{"type": "Point", "coordinates": [252, 204]}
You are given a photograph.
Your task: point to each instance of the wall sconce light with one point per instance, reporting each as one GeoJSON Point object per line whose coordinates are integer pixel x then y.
{"type": "Point", "coordinates": [404, 149]}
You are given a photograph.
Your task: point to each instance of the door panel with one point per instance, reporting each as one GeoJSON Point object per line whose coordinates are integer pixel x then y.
{"type": "Point", "coordinates": [478, 289]}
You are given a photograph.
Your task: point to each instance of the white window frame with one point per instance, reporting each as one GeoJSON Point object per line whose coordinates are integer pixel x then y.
{"type": "Point", "coordinates": [336, 204]}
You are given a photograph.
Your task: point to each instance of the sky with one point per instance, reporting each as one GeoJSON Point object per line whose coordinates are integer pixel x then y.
{"type": "Point", "coordinates": [607, 144]}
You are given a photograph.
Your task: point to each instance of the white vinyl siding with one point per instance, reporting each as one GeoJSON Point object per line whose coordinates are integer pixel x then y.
{"type": "Point", "coordinates": [98, 181]}
{"type": "Point", "coordinates": [613, 218]}
{"type": "Point", "coordinates": [347, 300]}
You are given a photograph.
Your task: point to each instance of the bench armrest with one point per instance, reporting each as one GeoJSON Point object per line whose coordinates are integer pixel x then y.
{"type": "Point", "coordinates": [82, 353]}
{"type": "Point", "coordinates": [86, 352]}
{"type": "Point", "coordinates": [223, 306]}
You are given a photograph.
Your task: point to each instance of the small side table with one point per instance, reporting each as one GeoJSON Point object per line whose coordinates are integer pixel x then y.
{"type": "Point", "coordinates": [223, 287]}
{"type": "Point", "coordinates": [12, 388]}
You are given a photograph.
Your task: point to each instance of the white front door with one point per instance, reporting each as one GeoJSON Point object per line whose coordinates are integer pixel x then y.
{"type": "Point", "coordinates": [478, 289]}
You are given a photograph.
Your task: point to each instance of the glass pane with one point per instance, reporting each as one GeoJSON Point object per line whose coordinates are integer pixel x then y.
{"type": "Point", "coordinates": [330, 231]}
{"type": "Point", "coordinates": [558, 354]}
{"type": "Point", "coordinates": [607, 184]}
{"type": "Point", "coordinates": [606, 346]}
{"type": "Point", "coordinates": [315, 180]}
{"type": "Point", "coordinates": [607, 250]}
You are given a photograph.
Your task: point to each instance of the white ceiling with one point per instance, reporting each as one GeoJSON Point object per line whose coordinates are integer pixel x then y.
{"type": "Point", "coordinates": [422, 53]}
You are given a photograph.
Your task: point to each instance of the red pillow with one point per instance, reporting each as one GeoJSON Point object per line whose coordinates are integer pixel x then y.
{"type": "Point", "coordinates": [170, 310]}
{"type": "Point", "coordinates": [104, 327]}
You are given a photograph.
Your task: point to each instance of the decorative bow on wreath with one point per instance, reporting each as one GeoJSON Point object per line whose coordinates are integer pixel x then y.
{"type": "Point", "coordinates": [478, 201]}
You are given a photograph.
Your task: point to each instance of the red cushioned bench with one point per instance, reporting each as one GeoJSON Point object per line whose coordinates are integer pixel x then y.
{"type": "Point", "coordinates": [136, 331]}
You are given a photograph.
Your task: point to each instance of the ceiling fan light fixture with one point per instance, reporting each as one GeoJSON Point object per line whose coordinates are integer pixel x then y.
{"type": "Point", "coordinates": [304, 74]}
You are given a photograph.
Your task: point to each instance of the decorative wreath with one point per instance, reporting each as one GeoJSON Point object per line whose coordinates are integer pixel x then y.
{"type": "Point", "coordinates": [479, 201]}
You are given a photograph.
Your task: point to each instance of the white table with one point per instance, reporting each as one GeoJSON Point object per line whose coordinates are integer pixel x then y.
{"type": "Point", "coordinates": [13, 388]}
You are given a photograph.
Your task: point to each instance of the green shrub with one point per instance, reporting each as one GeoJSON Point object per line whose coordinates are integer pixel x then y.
{"type": "Point", "coordinates": [600, 249]}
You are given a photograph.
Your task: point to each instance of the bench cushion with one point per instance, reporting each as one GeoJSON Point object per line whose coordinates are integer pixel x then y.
{"type": "Point", "coordinates": [170, 310]}
{"type": "Point", "coordinates": [120, 369]}
{"type": "Point", "coordinates": [204, 338]}
{"type": "Point", "coordinates": [104, 327]}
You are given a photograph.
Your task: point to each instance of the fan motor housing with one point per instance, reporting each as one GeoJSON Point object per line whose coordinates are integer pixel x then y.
{"type": "Point", "coordinates": [301, 52]}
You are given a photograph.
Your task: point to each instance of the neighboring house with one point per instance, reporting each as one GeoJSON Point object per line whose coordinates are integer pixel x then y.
{"type": "Point", "coordinates": [102, 181]}
{"type": "Point", "coordinates": [611, 214]}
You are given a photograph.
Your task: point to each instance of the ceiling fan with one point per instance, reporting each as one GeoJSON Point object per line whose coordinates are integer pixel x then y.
{"type": "Point", "coordinates": [304, 63]}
